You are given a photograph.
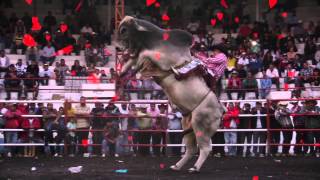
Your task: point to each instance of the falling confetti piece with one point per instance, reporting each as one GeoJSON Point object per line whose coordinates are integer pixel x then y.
{"type": "Point", "coordinates": [130, 138]}
{"type": "Point", "coordinates": [150, 2]}
{"type": "Point", "coordinates": [92, 79]}
{"type": "Point", "coordinates": [165, 36]}
{"type": "Point", "coordinates": [29, 2]}
{"type": "Point", "coordinates": [213, 22]}
{"type": "Point", "coordinates": [237, 19]}
{"type": "Point", "coordinates": [284, 14]}
{"type": "Point", "coordinates": [220, 15]}
{"type": "Point", "coordinates": [48, 37]}
{"type": "Point", "coordinates": [224, 4]}
{"type": "Point", "coordinates": [63, 27]}
{"type": "Point", "coordinates": [165, 17]}
{"type": "Point", "coordinates": [272, 3]}
{"type": "Point", "coordinates": [162, 165]}
{"type": "Point", "coordinates": [29, 41]}
{"type": "Point", "coordinates": [36, 26]}
{"type": "Point", "coordinates": [66, 50]}
{"type": "Point", "coordinates": [157, 5]}
{"type": "Point", "coordinates": [115, 98]}
{"type": "Point", "coordinates": [79, 5]}
{"type": "Point", "coordinates": [255, 178]}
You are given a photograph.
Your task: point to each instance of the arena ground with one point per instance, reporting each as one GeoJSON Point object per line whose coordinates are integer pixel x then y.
{"type": "Point", "coordinates": [149, 168]}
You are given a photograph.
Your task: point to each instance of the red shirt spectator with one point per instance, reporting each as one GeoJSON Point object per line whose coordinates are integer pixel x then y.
{"type": "Point", "coordinates": [13, 117]}
{"type": "Point", "coordinates": [232, 115]}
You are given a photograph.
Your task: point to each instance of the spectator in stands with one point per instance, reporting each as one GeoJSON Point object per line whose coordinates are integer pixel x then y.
{"type": "Point", "coordinates": [123, 127]}
{"type": "Point", "coordinates": [144, 123]}
{"type": "Point", "coordinates": [17, 46]}
{"type": "Point", "coordinates": [58, 125]}
{"type": "Point", "coordinates": [33, 68]}
{"type": "Point", "coordinates": [86, 29]}
{"type": "Point", "coordinates": [298, 122]}
{"type": "Point", "coordinates": [27, 21]}
{"type": "Point", "coordinates": [312, 122]}
{"type": "Point", "coordinates": [13, 119]}
{"type": "Point", "coordinates": [30, 85]}
{"type": "Point", "coordinates": [45, 75]}
{"type": "Point", "coordinates": [90, 55]}
{"type": "Point", "coordinates": [160, 123]}
{"type": "Point", "coordinates": [82, 113]}
{"type": "Point", "coordinates": [250, 84]}
{"type": "Point", "coordinates": [310, 49]}
{"type": "Point", "coordinates": [98, 121]}
{"type": "Point", "coordinates": [273, 73]}
{"type": "Point", "coordinates": [21, 68]}
{"type": "Point", "coordinates": [103, 77]}
{"type": "Point", "coordinates": [111, 133]}
{"type": "Point", "coordinates": [30, 124]}
{"type": "Point", "coordinates": [76, 69]}
{"type": "Point", "coordinates": [104, 55]}
{"type": "Point", "coordinates": [315, 79]}
{"type": "Point", "coordinates": [49, 21]}
{"type": "Point", "coordinates": [231, 121]}
{"type": "Point", "coordinates": [282, 115]}
{"type": "Point", "coordinates": [306, 73]}
{"type": "Point", "coordinates": [268, 59]}
{"type": "Point", "coordinates": [175, 124]}
{"type": "Point", "coordinates": [259, 122]}
{"type": "Point", "coordinates": [112, 110]}
{"type": "Point", "coordinates": [266, 84]}
{"type": "Point", "coordinates": [244, 30]}
{"type": "Point", "coordinates": [234, 85]}
{"type": "Point", "coordinates": [12, 82]}
{"type": "Point", "coordinates": [4, 61]}
{"type": "Point", "coordinates": [49, 115]}
{"type": "Point", "coordinates": [48, 54]}
{"type": "Point", "coordinates": [245, 123]}
{"type": "Point", "coordinates": [62, 71]}
{"type": "Point", "coordinates": [133, 125]}
{"type": "Point", "coordinates": [255, 64]}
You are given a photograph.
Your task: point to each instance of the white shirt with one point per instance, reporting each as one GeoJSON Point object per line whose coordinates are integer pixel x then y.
{"type": "Point", "coordinates": [272, 74]}
{"type": "Point", "coordinates": [259, 125]}
{"type": "Point", "coordinates": [243, 61]}
{"type": "Point", "coordinates": [86, 29]}
{"type": "Point", "coordinates": [48, 52]}
{"type": "Point", "coordinates": [46, 73]}
{"type": "Point", "coordinates": [3, 61]}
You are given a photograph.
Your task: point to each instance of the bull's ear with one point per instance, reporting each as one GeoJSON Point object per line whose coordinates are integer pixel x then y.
{"type": "Point", "coordinates": [139, 27]}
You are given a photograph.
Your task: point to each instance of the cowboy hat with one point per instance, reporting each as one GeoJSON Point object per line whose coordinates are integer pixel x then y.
{"type": "Point", "coordinates": [221, 48]}
{"type": "Point", "coordinates": [282, 103]}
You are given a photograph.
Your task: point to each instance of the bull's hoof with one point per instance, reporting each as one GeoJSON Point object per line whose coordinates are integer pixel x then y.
{"type": "Point", "coordinates": [193, 170]}
{"type": "Point", "coordinates": [174, 168]}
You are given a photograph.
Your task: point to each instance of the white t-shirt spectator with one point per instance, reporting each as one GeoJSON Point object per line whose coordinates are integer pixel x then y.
{"type": "Point", "coordinates": [47, 72]}
{"type": "Point", "coordinates": [243, 61]}
{"type": "Point", "coordinates": [21, 69]}
{"type": "Point", "coordinates": [272, 73]}
{"type": "Point", "coordinates": [4, 61]}
{"type": "Point", "coordinates": [48, 51]}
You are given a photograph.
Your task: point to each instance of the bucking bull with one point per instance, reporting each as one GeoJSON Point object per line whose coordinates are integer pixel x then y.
{"type": "Point", "coordinates": [156, 53]}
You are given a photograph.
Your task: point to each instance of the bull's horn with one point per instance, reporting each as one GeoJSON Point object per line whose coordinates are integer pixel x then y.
{"type": "Point", "coordinates": [175, 71]}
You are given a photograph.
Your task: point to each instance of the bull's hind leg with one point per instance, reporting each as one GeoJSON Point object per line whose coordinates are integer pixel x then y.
{"type": "Point", "coordinates": [191, 149]}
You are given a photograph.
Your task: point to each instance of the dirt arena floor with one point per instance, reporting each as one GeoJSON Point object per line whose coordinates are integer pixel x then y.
{"type": "Point", "coordinates": [150, 168]}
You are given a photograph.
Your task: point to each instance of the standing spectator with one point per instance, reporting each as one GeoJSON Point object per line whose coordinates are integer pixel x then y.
{"type": "Point", "coordinates": [259, 122]}
{"type": "Point", "coordinates": [250, 84]}
{"type": "Point", "coordinates": [97, 122]}
{"type": "Point", "coordinates": [27, 21]}
{"type": "Point", "coordinates": [82, 113]}
{"type": "Point", "coordinates": [312, 122]}
{"type": "Point", "coordinates": [175, 137]}
{"type": "Point", "coordinates": [266, 84]}
{"type": "Point", "coordinates": [45, 75]}
{"type": "Point", "coordinates": [245, 123]}
{"type": "Point", "coordinates": [161, 124]}
{"type": "Point", "coordinates": [12, 82]}
{"type": "Point", "coordinates": [234, 85]}
{"type": "Point", "coordinates": [273, 73]}
{"type": "Point", "coordinates": [133, 125]}
{"type": "Point", "coordinates": [58, 125]}
{"type": "Point", "coordinates": [113, 111]}
{"type": "Point", "coordinates": [231, 121]}
{"type": "Point", "coordinates": [111, 133]}
{"type": "Point", "coordinates": [123, 126]}
{"type": "Point", "coordinates": [50, 21]}
{"type": "Point", "coordinates": [12, 117]}
{"type": "Point", "coordinates": [144, 123]}
{"type": "Point", "coordinates": [310, 49]}
{"type": "Point", "coordinates": [282, 115]}
{"type": "Point", "coordinates": [48, 54]}
{"type": "Point", "coordinates": [298, 122]}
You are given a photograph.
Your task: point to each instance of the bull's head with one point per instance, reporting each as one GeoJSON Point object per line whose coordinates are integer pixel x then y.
{"type": "Point", "coordinates": [136, 36]}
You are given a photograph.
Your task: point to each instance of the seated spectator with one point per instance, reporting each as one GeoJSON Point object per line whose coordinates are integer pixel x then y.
{"type": "Point", "coordinates": [30, 85]}
{"type": "Point", "coordinates": [231, 121]}
{"type": "Point", "coordinates": [76, 69]}
{"type": "Point", "coordinates": [268, 59]}
{"type": "Point", "coordinates": [243, 60]}
{"type": "Point", "coordinates": [273, 73]}
{"type": "Point", "coordinates": [45, 75]}
{"type": "Point", "coordinates": [306, 73]}
{"type": "Point", "coordinates": [231, 64]}
{"type": "Point", "coordinates": [103, 77]}
{"type": "Point", "coordinates": [111, 133]}
{"type": "Point", "coordinates": [17, 43]}
{"type": "Point", "coordinates": [13, 119]}
{"type": "Point", "coordinates": [250, 84]}
{"type": "Point", "coordinates": [234, 85]}
{"type": "Point", "coordinates": [290, 74]}
{"type": "Point", "coordinates": [61, 72]}
{"type": "Point", "coordinates": [12, 82]}
{"type": "Point", "coordinates": [21, 68]}
{"type": "Point", "coordinates": [48, 54]}
{"type": "Point", "coordinates": [254, 64]}
{"type": "Point", "coordinates": [315, 79]}
{"type": "Point", "coordinates": [33, 68]}
{"type": "Point", "coordinates": [266, 84]}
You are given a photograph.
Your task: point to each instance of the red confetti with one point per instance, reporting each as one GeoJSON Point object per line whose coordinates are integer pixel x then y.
{"type": "Point", "coordinates": [280, 36]}
{"type": "Point", "coordinates": [157, 56]}
{"type": "Point", "coordinates": [79, 5]}
{"type": "Point", "coordinates": [255, 35]}
{"type": "Point", "coordinates": [272, 3]}
{"type": "Point", "coordinates": [255, 178]}
{"type": "Point", "coordinates": [162, 166]}
{"type": "Point", "coordinates": [165, 36]}
{"type": "Point", "coordinates": [237, 19]}
{"type": "Point", "coordinates": [93, 79]}
{"type": "Point", "coordinates": [220, 15]}
{"type": "Point", "coordinates": [63, 27]}
{"type": "Point", "coordinates": [150, 2]}
{"type": "Point", "coordinates": [199, 134]}
{"type": "Point", "coordinates": [157, 5]}
{"type": "Point", "coordinates": [165, 17]}
{"type": "Point", "coordinates": [85, 142]}
{"type": "Point", "coordinates": [224, 4]}
{"type": "Point", "coordinates": [130, 138]}
{"type": "Point", "coordinates": [36, 26]}
{"type": "Point", "coordinates": [213, 22]}
{"type": "Point", "coordinates": [28, 2]}
{"type": "Point", "coordinates": [48, 37]}
{"type": "Point", "coordinates": [29, 41]}
{"type": "Point", "coordinates": [66, 50]}
{"type": "Point", "coordinates": [284, 14]}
